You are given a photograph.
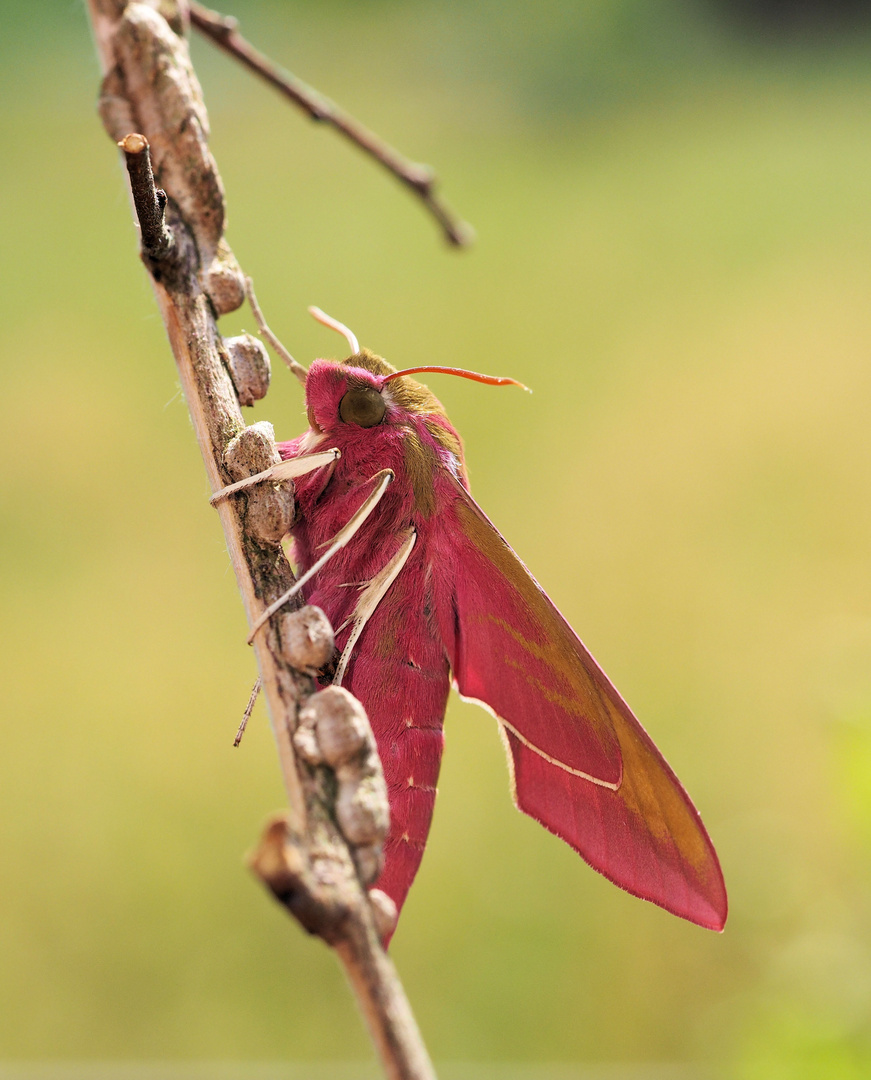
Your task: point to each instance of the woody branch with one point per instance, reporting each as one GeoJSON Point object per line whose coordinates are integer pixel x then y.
{"type": "Point", "coordinates": [420, 179]}
{"type": "Point", "coordinates": [314, 862]}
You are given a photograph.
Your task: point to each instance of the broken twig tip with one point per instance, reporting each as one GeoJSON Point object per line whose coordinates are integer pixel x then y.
{"type": "Point", "coordinates": [149, 200]}
{"type": "Point", "coordinates": [275, 860]}
{"type": "Point", "coordinates": [134, 143]}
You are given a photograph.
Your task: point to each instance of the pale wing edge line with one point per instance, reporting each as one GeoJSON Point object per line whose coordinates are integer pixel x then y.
{"type": "Point", "coordinates": [503, 723]}
{"type": "Point", "coordinates": [717, 926]}
{"type": "Point", "coordinates": [509, 757]}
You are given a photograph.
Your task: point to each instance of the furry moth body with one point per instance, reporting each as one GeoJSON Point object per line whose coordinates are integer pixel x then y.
{"type": "Point", "coordinates": [425, 593]}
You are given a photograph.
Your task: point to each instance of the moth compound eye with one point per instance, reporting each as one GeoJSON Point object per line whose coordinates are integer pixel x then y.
{"type": "Point", "coordinates": [364, 407]}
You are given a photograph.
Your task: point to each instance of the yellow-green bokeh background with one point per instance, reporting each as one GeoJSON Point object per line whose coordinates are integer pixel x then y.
{"type": "Point", "coordinates": [674, 251]}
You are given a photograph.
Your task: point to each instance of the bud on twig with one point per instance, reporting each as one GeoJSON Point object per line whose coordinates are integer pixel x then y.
{"type": "Point", "coordinates": [334, 730]}
{"type": "Point", "coordinates": [270, 508]}
{"type": "Point", "coordinates": [306, 639]}
{"type": "Point", "coordinates": [249, 367]}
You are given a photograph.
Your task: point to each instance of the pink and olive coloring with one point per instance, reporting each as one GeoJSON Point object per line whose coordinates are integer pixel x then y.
{"type": "Point", "coordinates": [427, 594]}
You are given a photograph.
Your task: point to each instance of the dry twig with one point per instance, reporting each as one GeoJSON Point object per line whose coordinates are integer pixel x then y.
{"type": "Point", "coordinates": [317, 858]}
{"type": "Point", "coordinates": [418, 178]}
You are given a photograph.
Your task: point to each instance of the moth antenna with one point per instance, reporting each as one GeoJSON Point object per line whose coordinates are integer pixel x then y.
{"type": "Point", "coordinates": [249, 708]}
{"type": "Point", "coordinates": [490, 380]}
{"type": "Point", "coordinates": [334, 324]}
{"type": "Point", "coordinates": [294, 365]}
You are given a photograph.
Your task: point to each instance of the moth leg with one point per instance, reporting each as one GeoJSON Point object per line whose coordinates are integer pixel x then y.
{"type": "Point", "coordinates": [371, 597]}
{"type": "Point", "coordinates": [284, 470]}
{"type": "Point", "coordinates": [249, 708]}
{"type": "Point", "coordinates": [294, 365]}
{"type": "Point", "coordinates": [342, 537]}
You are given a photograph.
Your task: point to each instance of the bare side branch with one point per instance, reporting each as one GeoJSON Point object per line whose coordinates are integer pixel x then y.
{"type": "Point", "coordinates": [418, 178]}
{"type": "Point", "coordinates": [151, 104]}
{"type": "Point", "coordinates": [293, 365]}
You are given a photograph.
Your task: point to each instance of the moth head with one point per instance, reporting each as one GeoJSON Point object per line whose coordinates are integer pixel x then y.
{"type": "Point", "coordinates": [365, 392]}
{"type": "Point", "coordinates": [347, 395]}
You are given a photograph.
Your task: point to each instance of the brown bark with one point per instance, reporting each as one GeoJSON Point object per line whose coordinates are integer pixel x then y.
{"type": "Point", "coordinates": [152, 105]}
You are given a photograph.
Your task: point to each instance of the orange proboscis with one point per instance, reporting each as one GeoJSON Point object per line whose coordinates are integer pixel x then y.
{"type": "Point", "coordinates": [491, 380]}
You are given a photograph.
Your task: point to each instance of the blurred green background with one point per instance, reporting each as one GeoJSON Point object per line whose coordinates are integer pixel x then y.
{"type": "Point", "coordinates": [674, 251]}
